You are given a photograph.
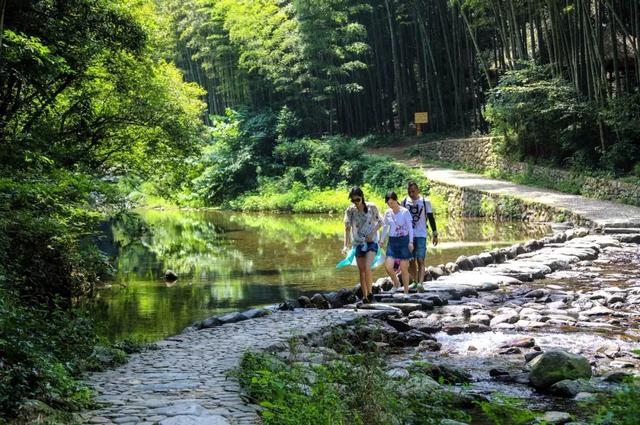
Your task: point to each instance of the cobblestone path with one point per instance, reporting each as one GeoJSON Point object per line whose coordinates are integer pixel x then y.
{"type": "Point", "coordinates": [185, 382]}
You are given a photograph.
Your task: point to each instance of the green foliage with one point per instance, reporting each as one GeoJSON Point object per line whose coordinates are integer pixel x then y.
{"type": "Point", "coordinates": [539, 115]}
{"type": "Point", "coordinates": [253, 163]}
{"type": "Point", "coordinates": [40, 351]}
{"type": "Point", "coordinates": [353, 389]}
{"type": "Point", "coordinates": [504, 410]}
{"type": "Point", "coordinates": [83, 101]}
{"type": "Point", "coordinates": [620, 408]}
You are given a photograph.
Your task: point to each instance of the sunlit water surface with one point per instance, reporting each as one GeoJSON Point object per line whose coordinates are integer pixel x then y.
{"type": "Point", "coordinates": [231, 261]}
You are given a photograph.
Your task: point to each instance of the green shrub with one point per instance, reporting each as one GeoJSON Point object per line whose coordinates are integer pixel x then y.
{"type": "Point", "coordinates": [539, 116]}
{"type": "Point", "coordinates": [41, 349]}
{"type": "Point", "coordinates": [353, 389]}
{"type": "Point", "coordinates": [504, 410]}
{"type": "Point", "coordinates": [621, 408]}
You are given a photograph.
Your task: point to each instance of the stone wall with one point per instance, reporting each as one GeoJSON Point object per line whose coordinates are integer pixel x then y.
{"type": "Point", "coordinates": [479, 154]}
{"type": "Point", "coordinates": [472, 203]}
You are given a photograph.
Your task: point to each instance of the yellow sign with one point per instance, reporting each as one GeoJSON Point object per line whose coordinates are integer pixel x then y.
{"type": "Point", "coordinates": [421, 118]}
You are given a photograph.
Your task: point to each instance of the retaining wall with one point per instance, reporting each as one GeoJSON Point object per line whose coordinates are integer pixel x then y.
{"type": "Point", "coordinates": [479, 153]}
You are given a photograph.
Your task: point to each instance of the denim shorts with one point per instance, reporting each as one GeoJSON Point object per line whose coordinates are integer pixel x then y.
{"type": "Point", "coordinates": [398, 247]}
{"type": "Point", "coordinates": [362, 249]}
{"type": "Point", "coordinates": [419, 247]}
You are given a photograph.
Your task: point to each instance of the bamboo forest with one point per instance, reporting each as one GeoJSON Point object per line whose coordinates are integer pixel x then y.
{"type": "Point", "coordinates": [218, 142]}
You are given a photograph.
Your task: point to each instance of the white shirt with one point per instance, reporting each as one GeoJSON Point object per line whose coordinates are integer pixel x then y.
{"type": "Point", "coordinates": [419, 210]}
{"type": "Point", "coordinates": [397, 224]}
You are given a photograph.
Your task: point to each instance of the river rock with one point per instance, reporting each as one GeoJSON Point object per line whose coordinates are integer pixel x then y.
{"type": "Point", "coordinates": [480, 318]}
{"type": "Point", "coordinates": [399, 325]}
{"type": "Point", "coordinates": [411, 338]}
{"type": "Point", "coordinates": [486, 258]}
{"type": "Point", "coordinates": [319, 301]}
{"type": "Point", "coordinates": [464, 263]}
{"type": "Point", "coordinates": [531, 355]}
{"type": "Point", "coordinates": [451, 267]}
{"type": "Point", "coordinates": [456, 329]}
{"type": "Point", "coordinates": [617, 376]}
{"type": "Point", "coordinates": [421, 384]}
{"type": "Point", "coordinates": [442, 373]}
{"type": "Point", "coordinates": [426, 325]}
{"type": "Point", "coordinates": [524, 342]}
{"type": "Point", "coordinates": [304, 301]}
{"type": "Point", "coordinates": [398, 373]}
{"type": "Point", "coordinates": [170, 276]}
{"type": "Point", "coordinates": [511, 317]}
{"type": "Point", "coordinates": [255, 313]}
{"type": "Point", "coordinates": [476, 261]}
{"type": "Point", "coordinates": [429, 345]}
{"type": "Point", "coordinates": [554, 418]}
{"type": "Point", "coordinates": [232, 318]}
{"type": "Point", "coordinates": [556, 365]}
{"type": "Point", "coordinates": [407, 307]}
{"type": "Point", "coordinates": [384, 283]}
{"type": "Point", "coordinates": [569, 388]}
{"type": "Point", "coordinates": [208, 323]}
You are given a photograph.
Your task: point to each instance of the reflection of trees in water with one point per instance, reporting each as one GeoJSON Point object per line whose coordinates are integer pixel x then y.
{"type": "Point", "coordinates": [155, 311]}
{"type": "Point", "coordinates": [183, 241]}
{"type": "Point", "coordinates": [504, 232]}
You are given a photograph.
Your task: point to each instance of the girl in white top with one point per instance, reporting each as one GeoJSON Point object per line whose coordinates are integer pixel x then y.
{"type": "Point", "coordinates": [398, 225]}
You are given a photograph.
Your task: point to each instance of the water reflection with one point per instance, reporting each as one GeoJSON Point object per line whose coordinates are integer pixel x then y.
{"type": "Point", "coordinates": [228, 261]}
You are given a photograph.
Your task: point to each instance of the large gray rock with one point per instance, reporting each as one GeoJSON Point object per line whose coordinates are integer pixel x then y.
{"type": "Point", "coordinates": [569, 388]}
{"type": "Point", "coordinates": [555, 366]}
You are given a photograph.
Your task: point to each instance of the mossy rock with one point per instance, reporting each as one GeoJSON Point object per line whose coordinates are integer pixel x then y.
{"type": "Point", "coordinates": [555, 366]}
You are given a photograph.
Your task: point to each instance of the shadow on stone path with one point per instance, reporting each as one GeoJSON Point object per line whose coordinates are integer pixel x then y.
{"type": "Point", "coordinates": [185, 381]}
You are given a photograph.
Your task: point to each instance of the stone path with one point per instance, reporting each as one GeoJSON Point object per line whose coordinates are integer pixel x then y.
{"type": "Point", "coordinates": [185, 381]}
{"type": "Point", "coordinates": [601, 213]}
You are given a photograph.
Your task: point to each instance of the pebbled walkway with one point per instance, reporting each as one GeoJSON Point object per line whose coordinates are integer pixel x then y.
{"type": "Point", "coordinates": [185, 381]}
{"type": "Point", "coordinates": [601, 213]}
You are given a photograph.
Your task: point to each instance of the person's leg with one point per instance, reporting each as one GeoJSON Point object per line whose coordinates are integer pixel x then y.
{"type": "Point", "coordinates": [414, 269]}
{"type": "Point", "coordinates": [420, 262]}
{"type": "Point", "coordinates": [388, 264]}
{"type": "Point", "coordinates": [404, 270]}
{"type": "Point", "coordinates": [367, 271]}
{"type": "Point", "coordinates": [361, 262]}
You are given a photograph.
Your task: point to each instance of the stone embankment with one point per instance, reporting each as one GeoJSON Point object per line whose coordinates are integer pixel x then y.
{"type": "Point", "coordinates": [481, 153]}
{"type": "Point", "coordinates": [591, 284]}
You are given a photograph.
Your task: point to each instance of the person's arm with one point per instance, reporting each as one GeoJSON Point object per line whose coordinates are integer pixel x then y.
{"type": "Point", "coordinates": [385, 230]}
{"type": "Point", "coordinates": [409, 221]}
{"type": "Point", "coordinates": [347, 239]}
{"type": "Point", "coordinates": [434, 231]}
{"type": "Point", "coordinates": [432, 220]}
{"type": "Point", "coordinates": [347, 232]}
{"type": "Point", "coordinates": [376, 225]}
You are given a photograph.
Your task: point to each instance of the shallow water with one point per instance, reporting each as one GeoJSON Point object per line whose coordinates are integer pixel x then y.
{"type": "Point", "coordinates": [231, 261]}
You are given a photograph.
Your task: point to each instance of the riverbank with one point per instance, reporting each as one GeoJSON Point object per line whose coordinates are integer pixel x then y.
{"type": "Point", "coordinates": [594, 289]}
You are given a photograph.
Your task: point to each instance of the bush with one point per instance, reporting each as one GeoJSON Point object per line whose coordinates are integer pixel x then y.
{"type": "Point", "coordinates": [40, 351]}
{"type": "Point", "coordinates": [539, 115]}
{"type": "Point", "coordinates": [352, 389]}
{"type": "Point", "coordinates": [621, 408]}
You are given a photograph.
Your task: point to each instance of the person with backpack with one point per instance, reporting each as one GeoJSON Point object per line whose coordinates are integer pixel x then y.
{"type": "Point", "coordinates": [421, 211]}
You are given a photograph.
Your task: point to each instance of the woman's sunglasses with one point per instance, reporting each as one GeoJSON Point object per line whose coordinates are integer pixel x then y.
{"type": "Point", "coordinates": [356, 200]}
